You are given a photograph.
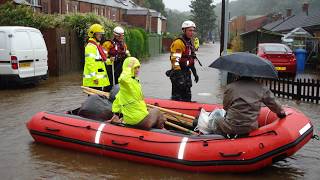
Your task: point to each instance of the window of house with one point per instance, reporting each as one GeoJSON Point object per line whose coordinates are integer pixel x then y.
{"type": "Point", "coordinates": [114, 14]}
{"type": "Point", "coordinates": [67, 8]}
{"type": "Point", "coordinates": [96, 10]}
{"type": "Point", "coordinates": [44, 7]}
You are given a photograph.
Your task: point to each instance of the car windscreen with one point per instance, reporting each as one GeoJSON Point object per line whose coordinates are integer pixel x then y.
{"type": "Point", "coordinates": [275, 48]}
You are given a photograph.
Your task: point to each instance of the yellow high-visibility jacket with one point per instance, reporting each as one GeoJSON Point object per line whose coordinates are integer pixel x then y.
{"type": "Point", "coordinates": [130, 100]}
{"type": "Point", "coordinates": [94, 68]}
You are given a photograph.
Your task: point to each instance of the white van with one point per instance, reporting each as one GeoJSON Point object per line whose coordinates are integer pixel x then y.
{"type": "Point", "coordinates": [23, 54]}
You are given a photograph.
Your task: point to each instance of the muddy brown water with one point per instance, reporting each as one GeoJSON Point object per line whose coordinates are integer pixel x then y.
{"type": "Point", "coordinates": [21, 158]}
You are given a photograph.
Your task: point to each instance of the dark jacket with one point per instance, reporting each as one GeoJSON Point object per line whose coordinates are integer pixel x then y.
{"type": "Point", "coordinates": [242, 102]}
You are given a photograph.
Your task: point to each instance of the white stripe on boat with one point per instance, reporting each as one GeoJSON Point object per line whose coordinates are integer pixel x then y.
{"type": "Point", "coordinates": [98, 134]}
{"type": "Point", "coordinates": [305, 128]}
{"type": "Point", "coordinates": [182, 147]}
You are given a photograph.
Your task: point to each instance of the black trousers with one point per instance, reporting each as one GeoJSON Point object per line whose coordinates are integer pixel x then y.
{"type": "Point", "coordinates": [181, 85]}
{"type": "Point", "coordinates": [117, 72]}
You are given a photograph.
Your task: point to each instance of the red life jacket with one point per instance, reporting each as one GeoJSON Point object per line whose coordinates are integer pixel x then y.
{"type": "Point", "coordinates": [188, 54]}
{"type": "Point", "coordinates": [118, 50]}
{"type": "Point", "coordinates": [100, 49]}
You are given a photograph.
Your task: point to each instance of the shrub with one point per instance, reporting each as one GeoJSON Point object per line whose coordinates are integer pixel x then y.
{"type": "Point", "coordinates": [137, 41]}
{"type": "Point", "coordinates": [237, 44]}
{"type": "Point", "coordinates": [21, 15]}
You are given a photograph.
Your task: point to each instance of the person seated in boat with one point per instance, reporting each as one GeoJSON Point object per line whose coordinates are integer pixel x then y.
{"type": "Point", "coordinates": [130, 102]}
{"type": "Point", "coordinates": [242, 103]}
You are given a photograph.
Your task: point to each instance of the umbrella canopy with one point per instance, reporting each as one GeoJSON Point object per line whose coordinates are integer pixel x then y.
{"type": "Point", "coordinates": [246, 64]}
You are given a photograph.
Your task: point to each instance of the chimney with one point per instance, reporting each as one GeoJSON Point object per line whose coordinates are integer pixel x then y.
{"type": "Point", "coordinates": [305, 8]}
{"type": "Point", "coordinates": [289, 12]}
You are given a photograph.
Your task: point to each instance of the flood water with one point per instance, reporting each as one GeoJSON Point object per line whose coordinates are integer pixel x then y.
{"type": "Point", "coordinates": [21, 158]}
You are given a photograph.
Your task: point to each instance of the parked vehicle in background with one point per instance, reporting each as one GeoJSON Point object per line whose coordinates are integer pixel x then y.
{"type": "Point", "coordinates": [23, 55]}
{"type": "Point", "coordinates": [280, 55]}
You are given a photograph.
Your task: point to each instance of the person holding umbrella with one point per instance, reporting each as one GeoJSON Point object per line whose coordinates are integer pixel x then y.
{"type": "Point", "coordinates": [243, 97]}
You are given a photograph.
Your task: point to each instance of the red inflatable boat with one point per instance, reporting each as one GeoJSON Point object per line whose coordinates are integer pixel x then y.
{"type": "Point", "coordinates": [274, 140]}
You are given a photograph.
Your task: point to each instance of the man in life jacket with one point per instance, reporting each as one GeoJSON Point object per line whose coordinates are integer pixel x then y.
{"type": "Point", "coordinates": [182, 64]}
{"type": "Point", "coordinates": [117, 51]}
{"type": "Point", "coordinates": [94, 73]}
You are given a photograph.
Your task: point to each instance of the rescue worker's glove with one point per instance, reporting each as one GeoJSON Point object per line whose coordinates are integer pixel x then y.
{"type": "Point", "coordinates": [196, 78]}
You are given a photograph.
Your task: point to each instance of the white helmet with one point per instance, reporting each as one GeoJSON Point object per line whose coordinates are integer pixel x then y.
{"type": "Point", "coordinates": [187, 24]}
{"type": "Point", "coordinates": [118, 31]}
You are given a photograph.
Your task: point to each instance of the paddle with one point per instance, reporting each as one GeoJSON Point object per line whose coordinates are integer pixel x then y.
{"type": "Point", "coordinates": [91, 91]}
{"type": "Point", "coordinates": [185, 116]}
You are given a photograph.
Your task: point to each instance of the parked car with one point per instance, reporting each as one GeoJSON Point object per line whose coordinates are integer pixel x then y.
{"type": "Point", "coordinates": [280, 55]}
{"type": "Point", "coordinates": [23, 54]}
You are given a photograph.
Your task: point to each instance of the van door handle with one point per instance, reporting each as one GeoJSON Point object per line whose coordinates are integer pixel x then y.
{"type": "Point", "coordinates": [37, 59]}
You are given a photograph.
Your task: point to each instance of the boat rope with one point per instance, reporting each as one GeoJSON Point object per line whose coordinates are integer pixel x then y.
{"type": "Point", "coordinates": [141, 138]}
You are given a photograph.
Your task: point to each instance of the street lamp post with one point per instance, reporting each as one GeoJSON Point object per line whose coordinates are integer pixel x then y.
{"type": "Point", "coordinates": [224, 37]}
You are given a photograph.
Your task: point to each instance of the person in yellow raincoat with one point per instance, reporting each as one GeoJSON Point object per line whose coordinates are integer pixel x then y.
{"type": "Point", "coordinates": [94, 73]}
{"type": "Point", "coordinates": [130, 102]}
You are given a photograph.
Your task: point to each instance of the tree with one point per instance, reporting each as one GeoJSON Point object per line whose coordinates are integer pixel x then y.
{"type": "Point", "coordinates": [157, 5]}
{"type": "Point", "coordinates": [204, 16]}
{"type": "Point", "coordinates": [175, 19]}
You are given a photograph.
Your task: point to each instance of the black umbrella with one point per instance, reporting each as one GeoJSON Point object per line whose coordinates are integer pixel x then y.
{"type": "Point", "coordinates": [245, 64]}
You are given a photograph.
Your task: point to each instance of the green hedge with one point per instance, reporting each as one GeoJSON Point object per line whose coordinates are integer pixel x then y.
{"type": "Point", "coordinates": [137, 41]}
{"type": "Point", "coordinates": [21, 15]}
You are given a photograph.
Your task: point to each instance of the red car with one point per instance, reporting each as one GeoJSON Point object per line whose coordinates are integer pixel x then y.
{"type": "Point", "coordinates": [280, 55]}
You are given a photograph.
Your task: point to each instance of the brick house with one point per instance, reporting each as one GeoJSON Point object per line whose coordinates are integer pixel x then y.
{"type": "Point", "coordinates": [121, 11]}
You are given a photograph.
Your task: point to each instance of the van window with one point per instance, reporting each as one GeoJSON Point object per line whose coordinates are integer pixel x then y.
{"type": "Point", "coordinates": [3, 40]}
{"type": "Point", "coordinates": [21, 41]}
{"type": "Point", "coordinates": [37, 40]}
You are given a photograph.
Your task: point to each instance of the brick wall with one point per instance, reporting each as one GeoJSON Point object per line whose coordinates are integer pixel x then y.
{"type": "Point", "coordinates": [137, 20]}
{"type": "Point", "coordinates": [46, 6]}
{"type": "Point", "coordinates": [256, 23]}
{"type": "Point", "coordinates": [237, 25]}
{"type": "Point", "coordinates": [84, 7]}
{"type": "Point", "coordinates": [154, 24]}
{"type": "Point", "coordinates": [164, 25]}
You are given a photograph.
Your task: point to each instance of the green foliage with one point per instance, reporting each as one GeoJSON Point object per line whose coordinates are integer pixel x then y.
{"type": "Point", "coordinates": [20, 15]}
{"type": "Point", "coordinates": [237, 44]}
{"type": "Point", "coordinates": [81, 22]}
{"type": "Point", "coordinates": [137, 41]}
{"type": "Point", "coordinates": [204, 16]}
{"type": "Point", "coordinates": [157, 5]}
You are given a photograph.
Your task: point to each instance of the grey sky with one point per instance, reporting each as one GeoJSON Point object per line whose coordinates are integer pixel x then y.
{"type": "Point", "coordinates": [181, 5]}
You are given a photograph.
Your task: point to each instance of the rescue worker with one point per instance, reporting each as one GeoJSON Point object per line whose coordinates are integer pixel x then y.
{"type": "Point", "coordinates": [94, 73]}
{"type": "Point", "coordinates": [117, 51]}
{"type": "Point", "coordinates": [182, 61]}
{"type": "Point", "coordinates": [130, 100]}
{"type": "Point", "coordinates": [196, 43]}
